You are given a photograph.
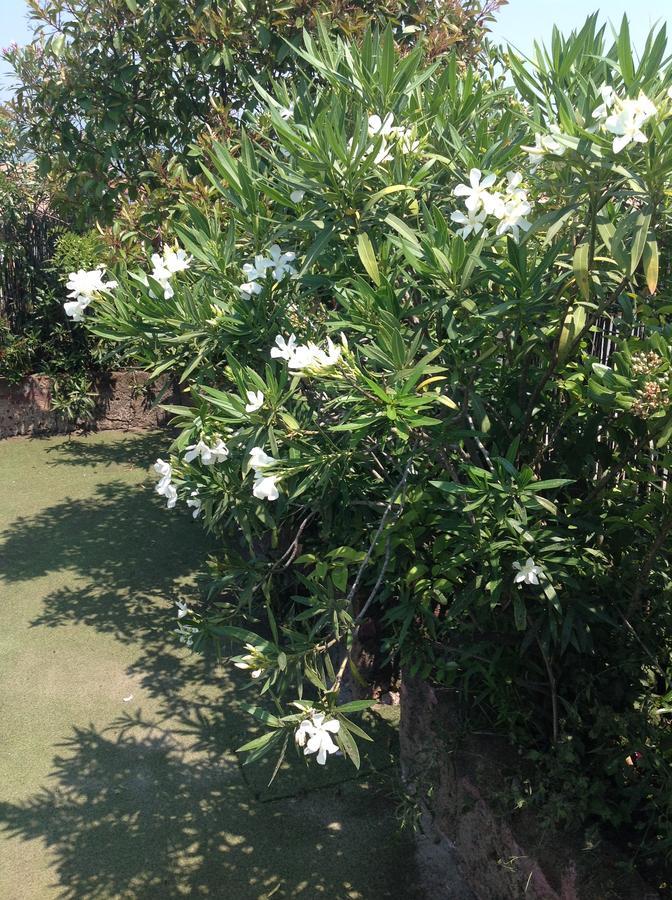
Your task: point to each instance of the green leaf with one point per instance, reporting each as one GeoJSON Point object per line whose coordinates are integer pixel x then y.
{"type": "Point", "coordinates": [640, 241]}
{"type": "Point", "coordinates": [571, 328]}
{"type": "Point", "coordinates": [548, 484]}
{"type": "Point", "coordinates": [355, 706]}
{"type": "Point", "coordinates": [347, 744]}
{"type": "Point", "coordinates": [384, 192]}
{"type": "Point", "coordinates": [651, 263]}
{"type": "Point", "coordinates": [263, 741]}
{"type": "Point", "coordinates": [368, 258]}
{"type": "Point", "coordinates": [403, 229]}
{"type": "Point", "coordinates": [580, 266]}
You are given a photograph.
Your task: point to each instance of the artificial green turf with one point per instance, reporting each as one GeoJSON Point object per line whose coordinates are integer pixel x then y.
{"type": "Point", "coordinates": [104, 797]}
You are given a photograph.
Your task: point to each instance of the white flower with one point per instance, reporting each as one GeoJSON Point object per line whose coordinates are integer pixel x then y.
{"type": "Point", "coordinates": [471, 223]}
{"type": "Point", "coordinates": [260, 459]}
{"type": "Point", "coordinates": [182, 609]}
{"type": "Point", "coordinates": [407, 141]}
{"type": "Point", "coordinates": [163, 275]}
{"type": "Point", "coordinates": [255, 400]}
{"type": "Point", "coordinates": [384, 129]}
{"type": "Point", "coordinates": [513, 188]}
{"type": "Point", "coordinates": [284, 349]}
{"type": "Point", "coordinates": [528, 573]}
{"type": "Point", "coordinates": [381, 126]}
{"type": "Point", "coordinates": [169, 491]}
{"type": "Point", "coordinates": [265, 487]}
{"type": "Point", "coordinates": [245, 663]}
{"type": "Point", "coordinates": [286, 112]}
{"type": "Point", "coordinates": [83, 284]}
{"type": "Point", "coordinates": [166, 265]}
{"type": "Point", "coordinates": [310, 356]}
{"type": "Point", "coordinates": [209, 455]}
{"type": "Point", "coordinates": [305, 356]}
{"type": "Point", "coordinates": [314, 735]}
{"type": "Point", "coordinates": [513, 219]}
{"type": "Point", "coordinates": [164, 488]}
{"type": "Point", "coordinates": [164, 469]}
{"type": "Point", "coordinates": [297, 196]}
{"type": "Point", "coordinates": [249, 288]}
{"type": "Point", "coordinates": [476, 192]}
{"type": "Point", "coordinates": [175, 260]}
{"type": "Point", "coordinates": [195, 502]}
{"type": "Point", "coordinates": [624, 118]}
{"type": "Point", "coordinates": [543, 144]}
{"type": "Point", "coordinates": [280, 262]}
{"type": "Point", "coordinates": [250, 660]}
{"type": "Point", "coordinates": [609, 97]}
{"type": "Point", "coordinates": [277, 262]}
{"type": "Point", "coordinates": [259, 268]}
{"type": "Point", "coordinates": [75, 308]}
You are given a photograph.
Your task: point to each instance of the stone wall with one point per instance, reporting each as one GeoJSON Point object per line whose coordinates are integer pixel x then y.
{"type": "Point", "coordinates": [473, 845]}
{"type": "Point", "coordinates": [124, 403]}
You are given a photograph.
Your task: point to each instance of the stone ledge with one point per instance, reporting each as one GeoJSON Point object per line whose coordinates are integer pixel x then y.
{"type": "Point", "coordinates": [123, 404]}
{"type": "Point", "coordinates": [468, 849]}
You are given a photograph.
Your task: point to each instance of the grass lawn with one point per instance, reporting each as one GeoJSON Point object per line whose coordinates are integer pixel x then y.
{"type": "Point", "coordinates": [118, 776]}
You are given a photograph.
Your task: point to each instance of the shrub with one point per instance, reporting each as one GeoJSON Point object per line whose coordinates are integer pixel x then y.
{"type": "Point", "coordinates": [109, 89]}
{"type": "Point", "coordinates": [426, 334]}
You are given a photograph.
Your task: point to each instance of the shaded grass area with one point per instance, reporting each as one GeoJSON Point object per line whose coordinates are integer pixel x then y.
{"type": "Point", "coordinates": [119, 776]}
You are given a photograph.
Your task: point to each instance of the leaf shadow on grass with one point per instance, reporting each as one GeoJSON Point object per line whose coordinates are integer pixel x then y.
{"type": "Point", "coordinates": [129, 813]}
{"type": "Point", "coordinates": [134, 449]}
{"type": "Point", "coordinates": [157, 805]}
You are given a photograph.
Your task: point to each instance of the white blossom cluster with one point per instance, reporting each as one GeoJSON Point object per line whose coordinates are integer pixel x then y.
{"type": "Point", "coordinates": [265, 487]}
{"type": "Point", "coordinates": [277, 262]}
{"type": "Point", "coordinates": [207, 455]}
{"type": "Point", "coordinates": [252, 661]}
{"type": "Point", "coordinates": [300, 358]}
{"type": "Point", "coordinates": [624, 118]}
{"type": "Point", "coordinates": [390, 133]}
{"type": "Point", "coordinates": [168, 264]}
{"type": "Point", "coordinates": [543, 145]}
{"type": "Point", "coordinates": [304, 357]}
{"type": "Point", "coordinates": [509, 205]}
{"type": "Point", "coordinates": [83, 287]}
{"type": "Point", "coordinates": [165, 487]}
{"type": "Point", "coordinates": [314, 734]}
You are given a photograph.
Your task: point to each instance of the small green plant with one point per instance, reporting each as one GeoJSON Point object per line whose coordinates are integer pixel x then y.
{"type": "Point", "coordinates": [74, 399]}
{"type": "Point", "coordinates": [17, 353]}
{"type": "Point", "coordinates": [74, 251]}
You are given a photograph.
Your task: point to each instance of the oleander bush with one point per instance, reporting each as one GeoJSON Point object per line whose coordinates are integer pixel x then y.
{"type": "Point", "coordinates": [425, 330]}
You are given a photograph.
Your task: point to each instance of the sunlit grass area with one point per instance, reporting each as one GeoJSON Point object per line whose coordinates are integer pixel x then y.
{"type": "Point", "coordinates": [119, 776]}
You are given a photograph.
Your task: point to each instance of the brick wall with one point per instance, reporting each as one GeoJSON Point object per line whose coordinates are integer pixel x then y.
{"type": "Point", "coordinates": [123, 404]}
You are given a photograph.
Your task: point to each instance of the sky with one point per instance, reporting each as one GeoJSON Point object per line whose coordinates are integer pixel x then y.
{"type": "Point", "coordinates": [524, 21]}
{"type": "Point", "coordinates": [519, 23]}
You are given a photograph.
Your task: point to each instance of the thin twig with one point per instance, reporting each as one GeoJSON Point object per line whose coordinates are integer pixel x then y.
{"type": "Point", "coordinates": [379, 530]}
{"type": "Point", "coordinates": [649, 653]}
{"type": "Point", "coordinates": [479, 444]}
{"type": "Point", "coordinates": [369, 601]}
{"type": "Point", "coordinates": [647, 563]}
{"type": "Point", "coordinates": [294, 546]}
{"type": "Point", "coordinates": [554, 695]}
